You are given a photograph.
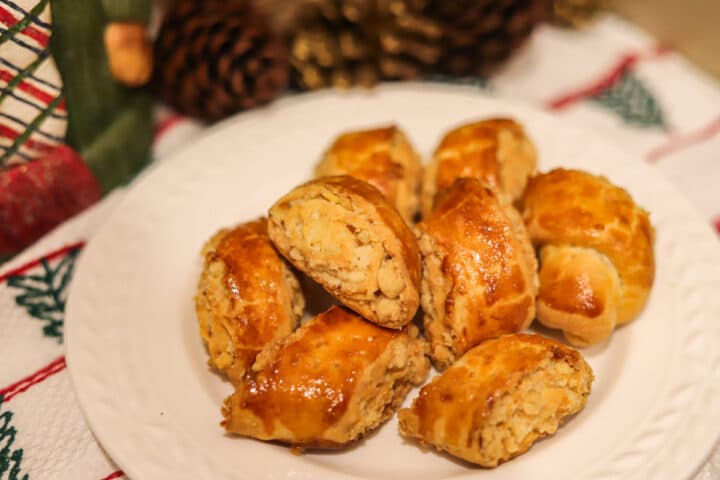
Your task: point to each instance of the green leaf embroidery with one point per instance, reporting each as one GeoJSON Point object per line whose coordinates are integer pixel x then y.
{"type": "Point", "coordinates": [10, 459]}
{"type": "Point", "coordinates": [44, 294]}
{"type": "Point", "coordinates": [633, 102]}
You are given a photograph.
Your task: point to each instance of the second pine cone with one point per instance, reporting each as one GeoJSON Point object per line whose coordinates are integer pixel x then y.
{"type": "Point", "coordinates": [215, 58]}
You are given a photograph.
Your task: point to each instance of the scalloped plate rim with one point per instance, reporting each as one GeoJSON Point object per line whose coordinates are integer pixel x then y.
{"type": "Point", "coordinates": [88, 395]}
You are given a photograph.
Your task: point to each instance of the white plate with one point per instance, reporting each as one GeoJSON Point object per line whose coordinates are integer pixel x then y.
{"type": "Point", "coordinates": [139, 366]}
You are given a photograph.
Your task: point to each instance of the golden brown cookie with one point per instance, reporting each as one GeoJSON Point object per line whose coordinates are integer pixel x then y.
{"type": "Point", "coordinates": [499, 398]}
{"type": "Point", "coordinates": [496, 151]}
{"type": "Point", "coordinates": [247, 297]}
{"type": "Point", "coordinates": [384, 158]}
{"type": "Point", "coordinates": [479, 270]}
{"type": "Point", "coordinates": [345, 235]}
{"type": "Point", "coordinates": [332, 381]}
{"type": "Point", "coordinates": [596, 253]}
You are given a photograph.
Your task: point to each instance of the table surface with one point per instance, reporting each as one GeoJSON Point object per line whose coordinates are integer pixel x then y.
{"type": "Point", "coordinates": [610, 78]}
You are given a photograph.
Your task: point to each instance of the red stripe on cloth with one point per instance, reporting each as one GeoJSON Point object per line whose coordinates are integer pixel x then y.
{"type": "Point", "coordinates": [33, 91]}
{"type": "Point", "coordinates": [9, 19]}
{"type": "Point", "coordinates": [607, 80]}
{"type": "Point", "coordinates": [685, 140]}
{"type": "Point", "coordinates": [167, 124]}
{"type": "Point", "coordinates": [36, 145]}
{"type": "Point", "coordinates": [51, 369]}
{"type": "Point", "coordinates": [50, 256]}
{"type": "Point", "coordinates": [116, 474]}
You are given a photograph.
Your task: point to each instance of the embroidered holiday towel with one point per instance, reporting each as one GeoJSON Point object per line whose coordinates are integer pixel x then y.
{"type": "Point", "coordinates": [43, 434]}
{"type": "Point", "coordinates": [611, 79]}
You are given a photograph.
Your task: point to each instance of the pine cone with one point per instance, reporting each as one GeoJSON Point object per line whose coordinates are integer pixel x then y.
{"type": "Point", "coordinates": [332, 46]}
{"type": "Point", "coordinates": [352, 42]}
{"type": "Point", "coordinates": [214, 58]}
{"type": "Point", "coordinates": [410, 44]}
{"type": "Point", "coordinates": [475, 35]}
